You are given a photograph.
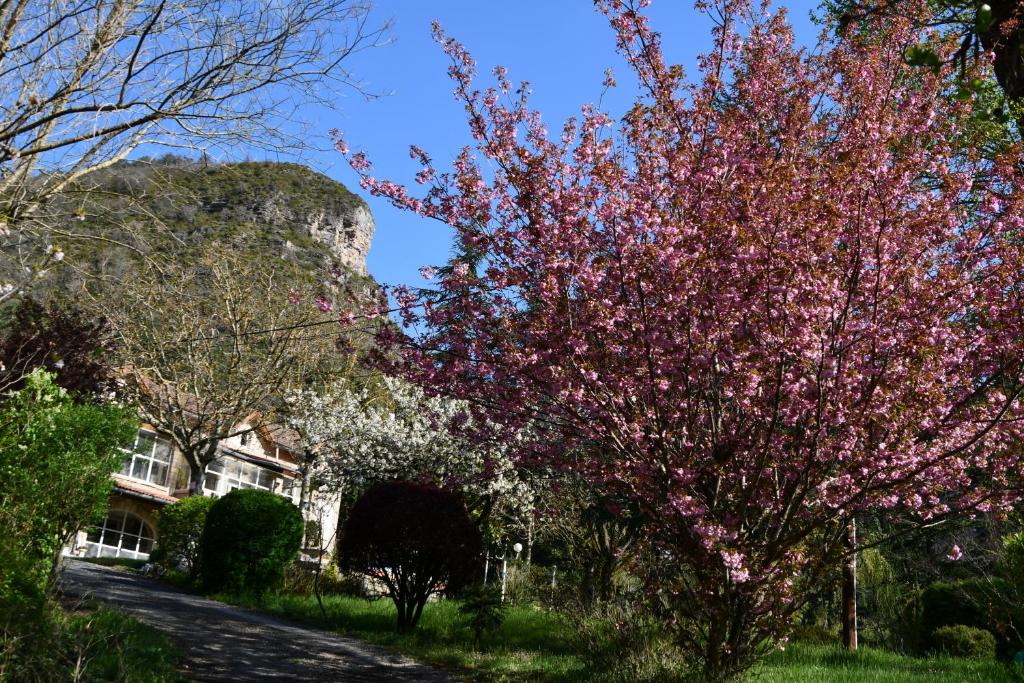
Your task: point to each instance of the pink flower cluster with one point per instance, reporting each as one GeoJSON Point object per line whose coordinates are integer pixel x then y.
{"type": "Point", "coordinates": [769, 299]}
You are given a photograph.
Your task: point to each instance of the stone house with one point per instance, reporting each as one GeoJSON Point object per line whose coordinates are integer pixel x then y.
{"type": "Point", "coordinates": [155, 474]}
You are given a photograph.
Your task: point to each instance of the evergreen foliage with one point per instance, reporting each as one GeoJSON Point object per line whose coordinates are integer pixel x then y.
{"type": "Point", "coordinates": [249, 537]}
{"type": "Point", "coordinates": [56, 458]}
{"type": "Point", "coordinates": [965, 641]}
{"type": "Point", "coordinates": [180, 528]}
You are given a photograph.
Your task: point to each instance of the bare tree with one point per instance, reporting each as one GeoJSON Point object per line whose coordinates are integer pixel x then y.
{"type": "Point", "coordinates": [83, 83]}
{"type": "Point", "coordinates": [208, 343]}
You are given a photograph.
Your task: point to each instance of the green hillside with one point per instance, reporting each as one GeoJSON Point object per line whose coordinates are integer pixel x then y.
{"type": "Point", "coordinates": [171, 207]}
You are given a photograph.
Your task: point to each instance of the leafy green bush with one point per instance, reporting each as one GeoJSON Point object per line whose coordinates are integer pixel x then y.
{"type": "Point", "coordinates": [180, 527]}
{"type": "Point", "coordinates": [950, 604]}
{"type": "Point", "coordinates": [249, 538]}
{"type": "Point", "coordinates": [985, 603]}
{"type": "Point", "coordinates": [964, 641]}
{"type": "Point", "coordinates": [814, 634]}
{"type": "Point", "coordinates": [56, 458]}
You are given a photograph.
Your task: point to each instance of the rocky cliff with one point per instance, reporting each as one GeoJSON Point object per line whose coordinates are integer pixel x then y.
{"type": "Point", "coordinates": [171, 206]}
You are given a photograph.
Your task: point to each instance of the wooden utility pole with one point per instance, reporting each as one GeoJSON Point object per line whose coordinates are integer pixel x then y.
{"type": "Point", "coordinates": [850, 587]}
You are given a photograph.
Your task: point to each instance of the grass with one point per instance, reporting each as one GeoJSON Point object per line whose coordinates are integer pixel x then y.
{"type": "Point", "coordinates": [532, 645]}
{"type": "Point", "coordinates": [535, 645]}
{"type": "Point", "coordinates": [111, 646]}
{"type": "Point", "coordinates": [800, 663]}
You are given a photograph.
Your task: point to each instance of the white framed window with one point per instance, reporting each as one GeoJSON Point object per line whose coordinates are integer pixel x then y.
{"type": "Point", "coordinates": [227, 474]}
{"type": "Point", "coordinates": [213, 477]}
{"type": "Point", "coordinates": [149, 459]}
{"type": "Point", "coordinates": [122, 534]}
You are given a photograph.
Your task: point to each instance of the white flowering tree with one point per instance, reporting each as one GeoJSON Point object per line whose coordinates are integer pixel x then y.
{"type": "Point", "coordinates": [392, 430]}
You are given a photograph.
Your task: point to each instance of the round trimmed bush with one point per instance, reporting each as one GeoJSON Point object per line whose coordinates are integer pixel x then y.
{"type": "Point", "coordinates": [249, 538]}
{"type": "Point", "coordinates": [179, 530]}
{"type": "Point", "coordinates": [965, 641]}
{"type": "Point", "coordinates": [950, 604]}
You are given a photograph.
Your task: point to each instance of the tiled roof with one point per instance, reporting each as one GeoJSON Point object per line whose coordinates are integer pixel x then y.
{"type": "Point", "coordinates": [281, 435]}
{"type": "Point", "coordinates": [137, 488]}
{"type": "Point", "coordinates": [285, 437]}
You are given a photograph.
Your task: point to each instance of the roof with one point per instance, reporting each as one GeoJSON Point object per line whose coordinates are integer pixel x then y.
{"type": "Point", "coordinates": [285, 437]}
{"type": "Point", "coordinates": [279, 465]}
{"type": "Point", "coordinates": [280, 435]}
{"type": "Point", "coordinates": [140, 490]}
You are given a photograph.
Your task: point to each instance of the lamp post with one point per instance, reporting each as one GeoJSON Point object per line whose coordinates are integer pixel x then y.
{"type": "Point", "coordinates": [518, 548]}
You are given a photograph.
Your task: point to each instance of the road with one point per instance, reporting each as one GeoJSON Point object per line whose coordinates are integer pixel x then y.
{"type": "Point", "coordinates": [224, 643]}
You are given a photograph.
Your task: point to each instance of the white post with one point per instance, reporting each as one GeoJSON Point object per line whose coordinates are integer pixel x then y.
{"type": "Point", "coordinates": [504, 574]}
{"type": "Point", "coordinates": [487, 566]}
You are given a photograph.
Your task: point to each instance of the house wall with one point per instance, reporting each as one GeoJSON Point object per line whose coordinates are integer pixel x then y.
{"type": "Point", "coordinates": [323, 509]}
{"type": "Point", "coordinates": [144, 499]}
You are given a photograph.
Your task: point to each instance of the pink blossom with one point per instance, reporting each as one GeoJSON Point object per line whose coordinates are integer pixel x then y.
{"type": "Point", "coordinates": [744, 308]}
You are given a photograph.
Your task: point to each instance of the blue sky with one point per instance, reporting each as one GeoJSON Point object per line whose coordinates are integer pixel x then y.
{"type": "Point", "coordinates": [562, 47]}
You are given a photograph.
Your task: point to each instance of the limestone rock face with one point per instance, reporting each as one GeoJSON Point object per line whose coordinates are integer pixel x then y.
{"type": "Point", "coordinates": [347, 235]}
{"type": "Point", "coordinates": [171, 207]}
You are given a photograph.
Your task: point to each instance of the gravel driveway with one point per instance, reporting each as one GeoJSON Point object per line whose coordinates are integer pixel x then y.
{"type": "Point", "coordinates": [224, 643]}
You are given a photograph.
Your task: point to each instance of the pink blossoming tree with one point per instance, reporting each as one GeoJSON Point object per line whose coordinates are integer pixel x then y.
{"type": "Point", "coordinates": [764, 302]}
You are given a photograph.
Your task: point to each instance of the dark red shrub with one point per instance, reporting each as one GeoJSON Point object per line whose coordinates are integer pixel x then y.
{"type": "Point", "coordinates": [416, 539]}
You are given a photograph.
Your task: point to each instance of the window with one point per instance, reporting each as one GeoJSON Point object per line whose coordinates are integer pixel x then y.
{"type": "Point", "coordinates": [213, 478]}
{"type": "Point", "coordinates": [245, 438]}
{"type": "Point", "coordinates": [227, 474]}
{"type": "Point", "coordinates": [149, 459]}
{"type": "Point", "coordinates": [122, 534]}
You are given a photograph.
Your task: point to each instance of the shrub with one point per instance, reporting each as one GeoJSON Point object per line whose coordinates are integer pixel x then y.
{"type": "Point", "coordinates": [301, 578]}
{"type": "Point", "coordinates": [983, 603]}
{"type": "Point", "coordinates": [180, 528]}
{"type": "Point", "coordinates": [964, 641]}
{"type": "Point", "coordinates": [56, 458]}
{"type": "Point", "coordinates": [814, 634]}
{"type": "Point", "coordinates": [949, 604]}
{"type": "Point", "coordinates": [483, 610]}
{"type": "Point", "coordinates": [415, 538]}
{"type": "Point", "coordinates": [249, 538]}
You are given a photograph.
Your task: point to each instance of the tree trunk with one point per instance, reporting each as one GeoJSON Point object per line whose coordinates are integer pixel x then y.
{"type": "Point", "coordinates": [418, 613]}
{"type": "Point", "coordinates": [1006, 41]}
{"type": "Point", "coordinates": [529, 543]}
{"type": "Point", "coordinates": [195, 480]}
{"type": "Point", "coordinates": [402, 624]}
{"type": "Point", "coordinates": [850, 587]}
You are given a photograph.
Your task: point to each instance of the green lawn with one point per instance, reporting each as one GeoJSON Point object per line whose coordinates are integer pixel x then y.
{"type": "Point", "coordinates": [532, 644]}
{"type": "Point", "coordinates": [111, 646]}
{"type": "Point", "coordinates": [535, 645]}
{"type": "Point", "coordinates": [805, 663]}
